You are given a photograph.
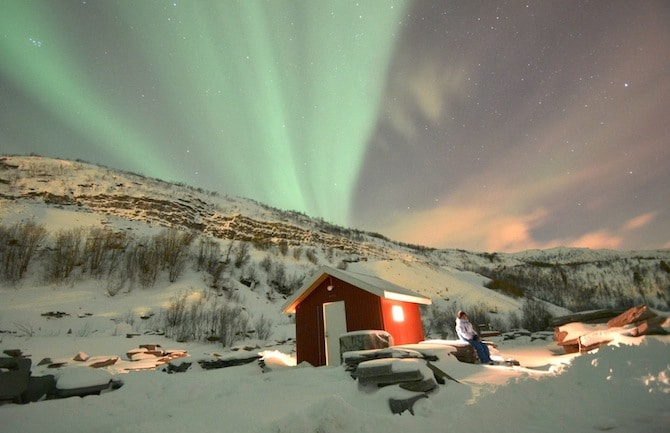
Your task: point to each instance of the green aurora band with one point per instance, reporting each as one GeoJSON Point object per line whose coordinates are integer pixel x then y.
{"type": "Point", "coordinates": [282, 96]}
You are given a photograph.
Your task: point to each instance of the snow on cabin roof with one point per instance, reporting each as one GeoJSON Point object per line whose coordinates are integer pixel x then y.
{"type": "Point", "coordinates": [369, 283]}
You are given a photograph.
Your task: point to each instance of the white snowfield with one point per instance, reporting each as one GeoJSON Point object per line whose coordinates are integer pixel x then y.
{"type": "Point", "coordinates": [621, 387]}
{"type": "Point", "coordinates": [624, 386]}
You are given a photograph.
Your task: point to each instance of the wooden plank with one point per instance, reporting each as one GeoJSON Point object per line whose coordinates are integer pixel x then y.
{"type": "Point", "coordinates": [595, 316]}
{"type": "Point", "coordinates": [653, 326]}
{"type": "Point", "coordinates": [630, 316]}
{"type": "Point", "coordinates": [570, 346]}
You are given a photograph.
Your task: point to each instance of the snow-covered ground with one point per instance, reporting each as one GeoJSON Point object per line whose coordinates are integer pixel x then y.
{"type": "Point", "coordinates": [621, 387]}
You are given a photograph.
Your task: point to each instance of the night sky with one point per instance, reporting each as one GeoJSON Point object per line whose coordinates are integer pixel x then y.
{"type": "Point", "coordinates": [481, 125]}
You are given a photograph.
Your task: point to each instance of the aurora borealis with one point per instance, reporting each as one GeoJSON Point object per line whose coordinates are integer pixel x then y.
{"type": "Point", "coordinates": [496, 126]}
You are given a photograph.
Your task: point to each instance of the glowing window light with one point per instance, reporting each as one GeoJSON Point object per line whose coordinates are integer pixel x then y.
{"type": "Point", "coordinates": [397, 313]}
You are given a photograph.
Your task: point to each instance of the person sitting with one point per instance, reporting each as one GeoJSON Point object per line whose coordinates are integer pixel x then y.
{"type": "Point", "coordinates": [466, 332]}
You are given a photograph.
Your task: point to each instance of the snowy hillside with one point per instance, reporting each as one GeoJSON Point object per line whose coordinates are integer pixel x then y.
{"type": "Point", "coordinates": [243, 258]}
{"type": "Point", "coordinates": [60, 194]}
{"type": "Point", "coordinates": [581, 279]}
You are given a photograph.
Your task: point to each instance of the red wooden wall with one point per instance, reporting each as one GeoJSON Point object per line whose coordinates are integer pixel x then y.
{"type": "Point", "coordinates": [410, 330]}
{"type": "Point", "coordinates": [364, 311]}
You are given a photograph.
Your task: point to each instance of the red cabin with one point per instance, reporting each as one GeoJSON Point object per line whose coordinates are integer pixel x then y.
{"type": "Point", "coordinates": [334, 302]}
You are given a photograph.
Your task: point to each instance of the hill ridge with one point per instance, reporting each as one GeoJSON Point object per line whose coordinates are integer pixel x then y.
{"type": "Point", "coordinates": [569, 277]}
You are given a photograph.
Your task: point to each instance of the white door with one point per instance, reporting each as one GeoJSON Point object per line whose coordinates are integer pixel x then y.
{"type": "Point", "coordinates": [334, 325]}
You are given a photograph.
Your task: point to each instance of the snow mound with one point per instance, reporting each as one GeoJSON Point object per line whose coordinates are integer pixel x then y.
{"type": "Point", "coordinates": [82, 377]}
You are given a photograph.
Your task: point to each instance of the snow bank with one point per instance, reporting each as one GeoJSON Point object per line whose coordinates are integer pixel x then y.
{"type": "Point", "coordinates": [624, 388]}
{"type": "Point", "coordinates": [82, 377]}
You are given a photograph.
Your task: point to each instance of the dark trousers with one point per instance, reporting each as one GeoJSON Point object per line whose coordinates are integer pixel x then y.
{"type": "Point", "coordinates": [482, 350]}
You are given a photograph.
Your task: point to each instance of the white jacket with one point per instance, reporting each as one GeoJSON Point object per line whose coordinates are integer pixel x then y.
{"type": "Point", "coordinates": [464, 329]}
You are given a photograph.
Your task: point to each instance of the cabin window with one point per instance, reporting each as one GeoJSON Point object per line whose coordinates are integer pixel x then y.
{"type": "Point", "coordinates": [397, 313]}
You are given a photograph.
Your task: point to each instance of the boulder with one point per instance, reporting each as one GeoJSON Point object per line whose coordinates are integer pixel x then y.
{"type": "Point", "coordinates": [399, 406]}
{"type": "Point", "coordinates": [39, 387]}
{"type": "Point", "coordinates": [390, 371]}
{"type": "Point", "coordinates": [134, 352]}
{"type": "Point", "coordinates": [229, 361]}
{"type": "Point", "coordinates": [14, 378]}
{"type": "Point", "coordinates": [102, 361]}
{"type": "Point", "coordinates": [425, 385]}
{"type": "Point", "coordinates": [177, 367]}
{"type": "Point", "coordinates": [82, 381]}
{"type": "Point", "coordinates": [154, 349]}
{"type": "Point", "coordinates": [81, 356]}
{"type": "Point", "coordinates": [139, 356]}
{"type": "Point", "coordinates": [352, 358]}
{"type": "Point", "coordinates": [365, 340]}
{"type": "Point", "coordinates": [462, 350]}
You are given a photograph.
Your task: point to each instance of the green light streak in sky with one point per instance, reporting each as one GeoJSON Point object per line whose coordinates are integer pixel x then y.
{"type": "Point", "coordinates": [289, 89]}
{"type": "Point", "coordinates": [33, 54]}
{"type": "Point", "coordinates": [281, 96]}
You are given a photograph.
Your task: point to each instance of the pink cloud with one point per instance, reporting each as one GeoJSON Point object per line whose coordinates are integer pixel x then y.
{"type": "Point", "coordinates": [485, 228]}
{"type": "Point", "coordinates": [474, 227]}
{"type": "Point", "coordinates": [597, 239]}
{"type": "Point", "coordinates": [485, 215]}
{"type": "Point", "coordinates": [639, 221]}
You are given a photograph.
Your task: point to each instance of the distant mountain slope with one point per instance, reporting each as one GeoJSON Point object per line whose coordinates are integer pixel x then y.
{"type": "Point", "coordinates": [574, 278]}
{"type": "Point", "coordinates": [108, 192]}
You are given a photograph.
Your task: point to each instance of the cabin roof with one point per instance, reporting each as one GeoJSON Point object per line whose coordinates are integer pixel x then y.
{"type": "Point", "coordinates": [370, 283]}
